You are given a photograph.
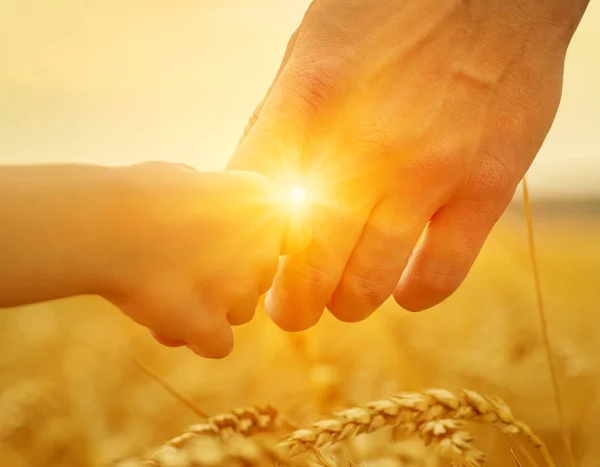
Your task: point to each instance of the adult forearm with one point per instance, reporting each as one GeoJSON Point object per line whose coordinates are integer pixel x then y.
{"type": "Point", "coordinates": [54, 237]}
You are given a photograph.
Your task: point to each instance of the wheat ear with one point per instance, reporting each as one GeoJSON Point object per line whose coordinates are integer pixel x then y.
{"type": "Point", "coordinates": [246, 422]}
{"type": "Point", "coordinates": [412, 411]}
{"type": "Point", "coordinates": [240, 423]}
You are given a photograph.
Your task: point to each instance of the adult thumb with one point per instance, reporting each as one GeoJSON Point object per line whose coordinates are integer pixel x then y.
{"type": "Point", "coordinates": [277, 143]}
{"type": "Point", "coordinates": [286, 57]}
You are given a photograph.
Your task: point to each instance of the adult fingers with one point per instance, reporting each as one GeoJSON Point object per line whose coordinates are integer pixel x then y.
{"type": "Point", "coordinates": [450, 245]}
{"type": "Point", "coordinates": [457, 232]}
{"type": "Point", "coordinates": [278, 145]}
{"type": "Point", "coordinates": [377, 262]}
{"type": "Point", "coordinates": [298, 234]}
{"type": "Point", "coordinates": [305, 281]}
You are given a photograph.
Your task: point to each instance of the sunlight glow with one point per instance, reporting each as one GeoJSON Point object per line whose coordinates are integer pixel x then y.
{"type": "Point", "coordinates": [298, 234]}
{"type": "Point", "coordinates": [298, 195]}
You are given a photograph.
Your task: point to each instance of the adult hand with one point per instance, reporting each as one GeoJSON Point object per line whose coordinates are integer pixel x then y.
{"type": "Point", "coordinates": [406, 119]}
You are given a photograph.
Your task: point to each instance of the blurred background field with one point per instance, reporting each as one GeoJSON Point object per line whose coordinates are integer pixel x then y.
{"type": "Point", "coordinates": [122, 81]}
{"type": "Point", "coordinates": [71, 396]}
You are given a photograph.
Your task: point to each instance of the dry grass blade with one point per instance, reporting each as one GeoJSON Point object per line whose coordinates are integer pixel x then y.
{"type": "Point", "coordinates": [523, 452]}
{"type": "Point", "coordinates": [185, 401]}
{"type": "Point", "coordinates": [544, 327]}
{"type": "Point", "coordinates": [512, 452]}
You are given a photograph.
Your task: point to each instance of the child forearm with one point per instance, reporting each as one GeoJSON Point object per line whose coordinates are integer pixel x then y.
{"type": "Point", "coordinates": [184, 253]}
{"type": "Point", "coordinates": [54, 231]}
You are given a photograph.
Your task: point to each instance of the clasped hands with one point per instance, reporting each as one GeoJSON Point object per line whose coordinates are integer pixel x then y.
{"type": "Point", "coordinates": [413, 122]}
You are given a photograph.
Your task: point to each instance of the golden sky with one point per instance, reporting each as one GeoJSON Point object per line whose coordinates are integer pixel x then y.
{"type": "Point", "coordinates": [119, 81]}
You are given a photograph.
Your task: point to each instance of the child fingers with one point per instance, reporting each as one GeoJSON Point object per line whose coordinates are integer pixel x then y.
{"type": "Point", "coordinates": [166, 340]}
{"type": "Point", "coordinates": [267, 277]}
{"type": "Point", "coordinates": [211, 336]}
{"type": "Point", "coordinates": [242, 309]}
{"type": "Point", "coordinates": [242, 302]}
{"type": "Point", "coordinates": [186, 320]}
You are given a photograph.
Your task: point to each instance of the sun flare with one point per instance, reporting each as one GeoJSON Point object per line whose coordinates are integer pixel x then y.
{"type": "Point", "coordinates": [298, 196]}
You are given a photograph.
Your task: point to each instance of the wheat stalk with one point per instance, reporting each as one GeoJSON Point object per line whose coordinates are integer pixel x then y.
{"type": "Point", "coordinates": [168, 388]}
{"type": "Point", "coordinates": [562, 419]}
{"type": "Point", "coordinates": [514, 455]}
{"type": "Point", "coordinates": [413, 411]}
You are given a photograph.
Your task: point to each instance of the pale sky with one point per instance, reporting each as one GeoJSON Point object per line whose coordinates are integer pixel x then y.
{"type": "Point", "coordinates": [119, 81]}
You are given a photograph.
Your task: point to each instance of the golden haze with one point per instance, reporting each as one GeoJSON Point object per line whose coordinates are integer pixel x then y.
{"type": "Point", "coordinates": [123, 81]}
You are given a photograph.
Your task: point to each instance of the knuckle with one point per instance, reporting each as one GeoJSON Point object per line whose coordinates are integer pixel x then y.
{"type": "Point", "coordinates": [317, 86]}
{"type": "Point", "coordinates": [378, 139]}
{"type": "Point", "coordinates": [495, 181]}
{"type": "Point", "coordinates": [444, 162]}
{"type": "Point", "coordinates": [312, 86]}
{"type": "Point", "coordinates": [251, 122]}
{"type": "Point", "coordinates": [438, 166]}
{"type": "Point", "coordinates": [439, 284]}
{"type": "Point", "coordinates": [254, 117]}
{"type": "Point", "coordinates": [313, 279]}
{"type": "Point", "coordinates": [363, 288]}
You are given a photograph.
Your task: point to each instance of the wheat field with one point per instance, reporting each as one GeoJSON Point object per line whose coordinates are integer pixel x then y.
{"type": "Point", "coordinates": [122, 81]}
{"type": "Point", "coordinates": [81, 385]}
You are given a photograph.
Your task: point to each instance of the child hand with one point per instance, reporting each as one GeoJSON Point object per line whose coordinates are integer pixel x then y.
{"type": "Point", "coordinates": [194, 251]}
